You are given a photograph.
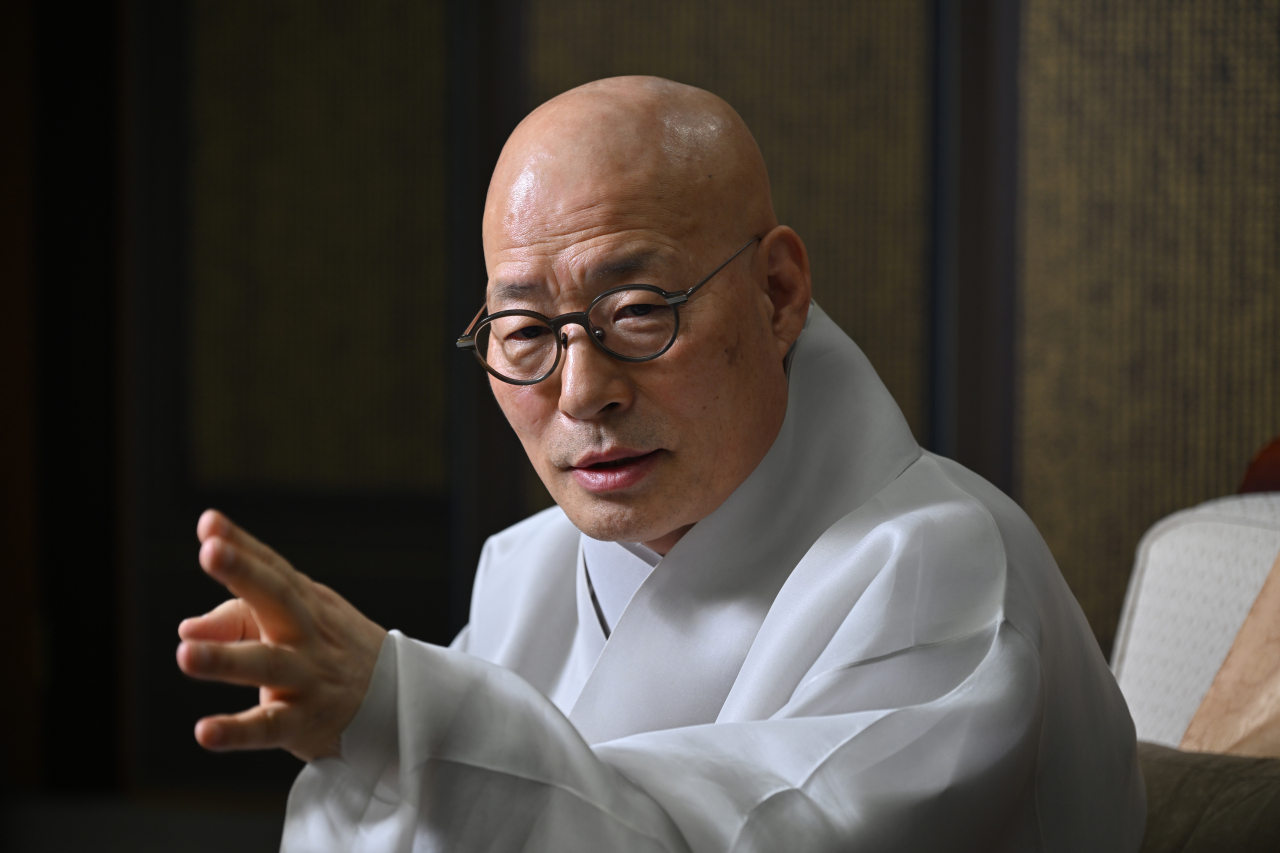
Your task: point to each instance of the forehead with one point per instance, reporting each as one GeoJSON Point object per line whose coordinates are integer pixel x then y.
{"type": "Point", "coordinates": [569, 219]}
{"type": "Point", "coordinates": [579, 255]}
{"type": "Point", "coordinates": [589, 271]}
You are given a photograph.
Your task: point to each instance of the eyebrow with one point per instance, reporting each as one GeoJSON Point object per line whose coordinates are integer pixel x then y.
{"type": "Point", "coordinates": [606, 272]}
{"type": "Point", "coordinates": [514, 290]}
{"type": "Point", "coordinates": [624, 266]}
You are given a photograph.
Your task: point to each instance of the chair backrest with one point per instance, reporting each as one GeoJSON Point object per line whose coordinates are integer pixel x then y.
{"type": "Point", "coordinates": [1196, 575]}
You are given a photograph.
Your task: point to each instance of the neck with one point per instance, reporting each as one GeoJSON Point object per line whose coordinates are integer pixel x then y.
{"type": "Point", "coordinates": [663, 544]}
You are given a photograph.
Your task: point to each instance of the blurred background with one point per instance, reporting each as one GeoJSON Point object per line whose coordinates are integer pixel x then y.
{"type": "Point", "coordinates": [239, 236]}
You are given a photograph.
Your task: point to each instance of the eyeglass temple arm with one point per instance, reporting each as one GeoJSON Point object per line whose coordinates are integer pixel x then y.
{"type": "Point", "coordinates": [712, 274]}
{"type": "Point", "coordinates": [468, 339]}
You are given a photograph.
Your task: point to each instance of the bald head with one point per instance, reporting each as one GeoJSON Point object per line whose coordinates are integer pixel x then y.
{"type": "Point", "coordinates": [644, 146]}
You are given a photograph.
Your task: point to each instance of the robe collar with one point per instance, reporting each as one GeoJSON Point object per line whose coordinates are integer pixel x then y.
{"type": "Point", "coordinates": [614, 571]}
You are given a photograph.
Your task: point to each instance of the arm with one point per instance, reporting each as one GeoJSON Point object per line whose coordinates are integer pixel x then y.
{"type": "Point", "coordinates": [452, 753]}
{"type": "Point", "coordinates": [416, 747]}
{"type": "Point", "coordinates": [313, 656]}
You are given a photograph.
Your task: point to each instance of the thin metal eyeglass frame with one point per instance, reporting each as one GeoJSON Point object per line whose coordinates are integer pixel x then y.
{"type": "Point", "coordinates": [674, 298]}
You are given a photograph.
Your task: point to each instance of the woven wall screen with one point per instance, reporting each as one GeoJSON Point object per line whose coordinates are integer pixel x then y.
{"type": "Point", "coordinates": [1150, 347]}
{"type": "Point", "coordinates": [317, 248]}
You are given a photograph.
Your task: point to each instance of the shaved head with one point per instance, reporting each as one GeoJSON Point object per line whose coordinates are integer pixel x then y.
{"type": "Point", "coordinates": [639, 142]}
{"type": "Point", "coordinates": [637, 181]}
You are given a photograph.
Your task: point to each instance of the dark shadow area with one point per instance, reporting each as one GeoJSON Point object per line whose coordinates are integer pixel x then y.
{"type": "Point", "coordinates": [116, 825]}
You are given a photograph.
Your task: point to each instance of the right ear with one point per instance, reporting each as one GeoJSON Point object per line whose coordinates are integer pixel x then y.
{"type": "Point", "coordinates": [788, 284]}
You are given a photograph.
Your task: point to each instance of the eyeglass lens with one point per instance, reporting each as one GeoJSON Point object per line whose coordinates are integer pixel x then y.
{"type": "Point", "coordinates": [632, 323]}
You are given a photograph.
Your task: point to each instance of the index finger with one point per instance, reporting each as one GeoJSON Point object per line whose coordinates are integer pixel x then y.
{"type": "Point", "coordinates": [270, 589]}
{"type": "Point", "coordinates": [214, 523]}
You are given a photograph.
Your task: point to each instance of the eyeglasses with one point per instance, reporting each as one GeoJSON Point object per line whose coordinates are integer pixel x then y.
{"type": "Point", "coordinates": [636, 322]}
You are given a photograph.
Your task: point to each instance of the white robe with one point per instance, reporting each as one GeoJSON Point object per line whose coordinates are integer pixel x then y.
{"type": "Point", "coordinates": [866, 647]}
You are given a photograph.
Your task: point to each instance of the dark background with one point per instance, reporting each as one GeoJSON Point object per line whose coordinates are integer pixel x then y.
{"type": "Point", "coordinates": [239, 236]}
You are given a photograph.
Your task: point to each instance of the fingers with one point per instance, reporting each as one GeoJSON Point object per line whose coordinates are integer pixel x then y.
{"type": "Point", "coordinates": [248, 663]}
{"type": "Point", "coordinates": [213, 523]}
{"type": "Point", "coordinates": [268, 725]}
{"type": "Point", "coordinates": [308, 650]}
{"type": "Point", "coordinates": [260, 727]}
{"type": "Point", "coordinates": [271, 589]}
{"type": "Point", "coordinates": [229, 622]}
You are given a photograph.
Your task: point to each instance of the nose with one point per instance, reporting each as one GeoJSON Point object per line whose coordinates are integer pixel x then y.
{"type": "Point", "coordinates": [591, 382]}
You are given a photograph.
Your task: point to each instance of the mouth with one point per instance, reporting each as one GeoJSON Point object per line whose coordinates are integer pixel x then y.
{"type": "Point", "coordinates": [615, 470]}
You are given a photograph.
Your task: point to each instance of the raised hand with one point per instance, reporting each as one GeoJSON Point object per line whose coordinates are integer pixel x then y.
{"type": "Point", "coordinates": [310, 653]}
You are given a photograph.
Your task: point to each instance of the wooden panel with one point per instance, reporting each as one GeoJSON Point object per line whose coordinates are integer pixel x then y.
{"type": "Point", "coordinates": [838, 96]}
{"type": "Point", "coordinates": [318, 255]}
{"type": "Point", "coordinates": [1151, 368]}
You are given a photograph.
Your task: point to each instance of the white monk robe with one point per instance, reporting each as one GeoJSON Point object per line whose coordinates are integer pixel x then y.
{"type": "Point", "coordinates": [866, 647]}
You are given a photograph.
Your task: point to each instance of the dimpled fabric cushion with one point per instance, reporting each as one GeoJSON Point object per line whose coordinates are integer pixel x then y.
{"type": "Point", "coordinates": [1196, 575]}
{"type": "Point", "coordinates": [1200, 802]}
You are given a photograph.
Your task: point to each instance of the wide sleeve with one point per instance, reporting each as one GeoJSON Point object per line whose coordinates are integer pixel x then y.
{"type": "Point", "coordinates": [451, 753]}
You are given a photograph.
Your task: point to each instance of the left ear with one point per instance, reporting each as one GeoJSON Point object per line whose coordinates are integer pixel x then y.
{"type": "Point", "coordinates": [788, 284]}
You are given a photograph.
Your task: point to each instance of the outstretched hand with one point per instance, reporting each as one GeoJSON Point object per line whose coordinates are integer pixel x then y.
{"type": "Point", "coordinates": [307, 649]}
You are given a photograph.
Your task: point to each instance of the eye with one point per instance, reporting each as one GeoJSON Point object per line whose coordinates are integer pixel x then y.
{"type": "Point", "coordinates": [519, 329]}
{"type": "Point", "coordinates": [636, 305]}
{"type": "Point", "coordinates": [528, 333]}
{"type": "Point", "coordinates": [637, 309]}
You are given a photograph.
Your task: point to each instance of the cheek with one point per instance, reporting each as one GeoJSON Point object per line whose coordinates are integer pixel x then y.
{"type": "Point", "coordinates": [726, 400]}
{"type": "Point", "coordinates": [528, 408]}
{"type": "Point", "coordinates": [697, 389]}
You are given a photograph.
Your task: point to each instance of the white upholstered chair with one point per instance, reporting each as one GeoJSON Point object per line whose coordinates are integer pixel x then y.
{"type": "Point", "coordinates": [1195, 577]}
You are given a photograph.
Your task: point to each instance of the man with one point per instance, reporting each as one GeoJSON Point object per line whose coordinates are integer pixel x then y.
{"type": "Point", "coordinates": [760, 618]}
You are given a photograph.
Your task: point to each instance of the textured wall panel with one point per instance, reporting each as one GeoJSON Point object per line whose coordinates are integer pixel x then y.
{"type": "Point", "coordinates": [838, 96]}
{"type": "Point", "coordinates": [1151, 262]}
{"type": "Point", "coordinates": [318, 258]}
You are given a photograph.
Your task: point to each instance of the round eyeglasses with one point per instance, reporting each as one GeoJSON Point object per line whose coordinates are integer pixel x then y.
{"type": "Point", "coordinates": [635, 322]}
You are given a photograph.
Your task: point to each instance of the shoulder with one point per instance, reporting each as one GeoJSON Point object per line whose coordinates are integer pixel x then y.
{"type": "Point", "coordinates": [524, 588]}
{"type": "Point", "coordinates": [946, 502]}
{"type": "Point", "coordinates": [1014, 526]}
{"type": "Point", "coordinates": [952, 547]}
{"type": "Point", "coordinates": [543, 543]}
{"type": "Point", "coordinates": [549, 529]}
{"type": "Point", "coordinates": [930, 510]}
{"type": "Point", "coordinates": [1037, 598]}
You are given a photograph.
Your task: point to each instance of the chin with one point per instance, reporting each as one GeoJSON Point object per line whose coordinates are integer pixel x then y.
{"type": "Point", "coordinates": [614, 522]}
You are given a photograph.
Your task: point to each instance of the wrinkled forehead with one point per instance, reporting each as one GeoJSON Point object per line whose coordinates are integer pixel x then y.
{"type": "Point", "coordinates": [554, 276]}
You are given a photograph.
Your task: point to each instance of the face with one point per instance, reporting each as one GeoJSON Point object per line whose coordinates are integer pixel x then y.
{"type": "Point", "coordinates": [638, 452]}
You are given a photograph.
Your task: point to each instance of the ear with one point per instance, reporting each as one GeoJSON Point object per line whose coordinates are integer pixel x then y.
{"type": "Point", "coordinates": [788, 284]}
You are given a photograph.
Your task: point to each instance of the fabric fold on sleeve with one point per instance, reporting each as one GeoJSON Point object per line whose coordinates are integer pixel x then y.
{"type": "Point", "coordinates": [451, 753]}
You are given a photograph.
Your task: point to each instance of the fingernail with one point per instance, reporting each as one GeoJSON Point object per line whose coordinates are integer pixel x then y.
{"type": "Point", "coordinates": [222, 556]}
{"type": "Point", "coordinates": [197, 655]}
{"type": "Point", "coordinates": [212, 734]}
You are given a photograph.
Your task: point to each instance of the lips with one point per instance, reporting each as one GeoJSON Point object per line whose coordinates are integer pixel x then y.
{"type": "Point", "coordinates": [615, 470]}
